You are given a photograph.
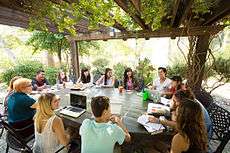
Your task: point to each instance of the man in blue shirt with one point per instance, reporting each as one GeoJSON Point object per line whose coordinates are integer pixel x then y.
{"type": "Point", "coordinates": [100, 136]}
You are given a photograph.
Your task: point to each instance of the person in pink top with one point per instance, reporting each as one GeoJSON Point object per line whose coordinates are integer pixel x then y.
{"type": "Point", "coordinates": [129, 80]}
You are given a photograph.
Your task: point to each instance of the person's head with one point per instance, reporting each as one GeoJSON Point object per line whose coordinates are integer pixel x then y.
{"type": "Point", "coordinates": [23, 85]}
{"type": "Point", "coordinates": [10, 87]}
{"type": "Point", "coordinates": [85, 75]}
{"type": "Point", "coordinates": [101, 108]}
{"type": "Point", "coordinates": [47, 103]}
{"type": "Point", "coordinates": [190, 123]}
{"type": "Point", "coordinates": [162, 72]}
{"type": "Point", "coordinates": [182, 94]}
{"type": "Point", "coordinates": [176, 81]}
{"type": "Point", "coordinates": [40, 75]}
{"type": "Point", "coordinates": [128, 72]}
{"type": "Point", "coordinates": [108, 74]}
{"type": "Point", "coordinates": [184, 85]}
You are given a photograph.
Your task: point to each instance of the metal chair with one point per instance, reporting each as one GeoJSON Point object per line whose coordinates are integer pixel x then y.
{"type": "Point", "coordinates": [221, 125]}
{"type": "Point", "coordinates": [15, 141]}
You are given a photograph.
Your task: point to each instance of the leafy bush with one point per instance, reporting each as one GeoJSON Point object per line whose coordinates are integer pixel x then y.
{"type": "Point", "coordinates": [83, 65]}
{"type": "Point", "coordinates": [145, 70]}
{"type": "Point", "coordinates": [51, 74]}
{"type": "Point", "coordinates": [222, 68]}
{"type": "Point", "coordinates": [119, 70]}
{"type": "Point", "coordinates": [28, 69]}
{"type": "Point", "coordinates": [177, 69]}
{"type": "Point", "coordinates": [100, 65]}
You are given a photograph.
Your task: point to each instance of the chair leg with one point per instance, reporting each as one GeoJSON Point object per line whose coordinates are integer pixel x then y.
{"type": "Point", "coordinates": [7, 148]}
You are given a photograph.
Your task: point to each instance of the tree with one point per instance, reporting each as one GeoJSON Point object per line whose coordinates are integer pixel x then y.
{"type": "Point", "coordinates": [52, 42]}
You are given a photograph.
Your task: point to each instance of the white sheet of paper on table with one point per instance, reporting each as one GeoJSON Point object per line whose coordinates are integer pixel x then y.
{"type": "Point", "coordinates": [165, 101]}
{"type": "Point", "coordinates": [152, 106]}
{"type": "Point", "coordinates": [150, 127]}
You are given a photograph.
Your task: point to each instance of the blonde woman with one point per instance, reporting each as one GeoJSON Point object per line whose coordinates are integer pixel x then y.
{"type": "Point", "coordinates": [20, 113]}
{"type": "Point", "coordinates": [49, 128]}
{"type": "Point", "coordinates": [10, 91]}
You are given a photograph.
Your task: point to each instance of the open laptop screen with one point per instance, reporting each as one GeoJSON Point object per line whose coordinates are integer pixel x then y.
{"type": "Point", "coordinates": [78, 101]}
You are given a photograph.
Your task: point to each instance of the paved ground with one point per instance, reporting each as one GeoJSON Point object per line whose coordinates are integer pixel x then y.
{"type": "Point", "coordinates": [221, 96]}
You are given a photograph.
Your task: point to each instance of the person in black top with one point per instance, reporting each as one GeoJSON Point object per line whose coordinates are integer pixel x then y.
{"type": "Point", "coordinates": [39, 82]}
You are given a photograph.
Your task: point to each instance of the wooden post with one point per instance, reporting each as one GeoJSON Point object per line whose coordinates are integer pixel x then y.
{"type": "Point", "coordinates": [74, 59]}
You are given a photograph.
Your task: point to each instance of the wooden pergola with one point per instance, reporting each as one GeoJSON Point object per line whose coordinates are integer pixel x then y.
{"type": "Point", "coordinates": [181, 23]}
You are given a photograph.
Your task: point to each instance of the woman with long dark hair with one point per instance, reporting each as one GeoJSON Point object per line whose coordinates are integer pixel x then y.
{"type": "Point", "coordinates": [85, 77]}
{"type": "Point", "coordinates": [192, 134]}
{"type": "Point", "coordinates": [129, 80]}
{"type": "Point", "coordinates": [106, 80]}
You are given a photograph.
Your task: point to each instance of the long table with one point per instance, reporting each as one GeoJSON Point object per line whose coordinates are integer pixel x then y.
{"type": "Point", "coordinates": [128, 105]}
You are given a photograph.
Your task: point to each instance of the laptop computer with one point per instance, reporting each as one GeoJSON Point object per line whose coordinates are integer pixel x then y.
{"type": "Point", "coordinates": [78, 100]}
{"type": "Point", "coordinates": [72, 111]}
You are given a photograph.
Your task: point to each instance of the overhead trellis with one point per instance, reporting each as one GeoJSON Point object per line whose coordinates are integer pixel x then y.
{"type": "Point", "coordinates": [86, 16]}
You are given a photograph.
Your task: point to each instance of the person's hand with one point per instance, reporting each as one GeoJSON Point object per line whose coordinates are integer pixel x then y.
{"type": "Point", "coordinates": [153, 119]}
{"type": "Point", "coordinates": [115, 119]}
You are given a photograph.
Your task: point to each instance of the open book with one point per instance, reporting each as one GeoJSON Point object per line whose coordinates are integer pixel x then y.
{"type": "Point", "coordinates": [150, 127]}
{"type": "Point", "coordinates": [157, 109]}
{"type": "Point", "coordinates": [72, 111]}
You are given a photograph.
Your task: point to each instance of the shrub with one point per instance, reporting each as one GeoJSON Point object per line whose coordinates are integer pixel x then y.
{"type": "Point", "coordinates": [28, 69]}
{"type": "Point", "coordinates": [177, 69]}
{"type": "Point", "coordinates": [119, 70]}
{"type": "Point", "coordinates": [100, 65]}
{"type": "Point", "coordinates": [145, 70]}
{"type": "Point", "coordinates": [51, 74]}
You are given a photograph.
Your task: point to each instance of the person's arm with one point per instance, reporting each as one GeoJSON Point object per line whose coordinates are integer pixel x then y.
{"type": "Point", "coordinates": [28, 101]}
{"type": "Point", "coordinates": [91, 78]}
{"type": "Point", "coordinates": [79, 80]}
{"type": "Point", "coordinates": [98, 82]}
{"type": "Point", "coordinates": [59, 130]}
{"type": "Point", "coordinates": [47, 82]}
{"type": "Point", "coordinates": [119, 123]}
{"type": "Point", "coordinates": [179, 144]}
{"type": "Point", "coordinates": [165, 122]}
{"type": "Point", "coordinates": [34, 85]}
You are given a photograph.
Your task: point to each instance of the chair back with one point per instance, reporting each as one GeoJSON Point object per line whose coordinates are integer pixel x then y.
{"type": "Point", "coordinates": [13, 134]}
{"type": "Point", "coordinates": [221, 124]}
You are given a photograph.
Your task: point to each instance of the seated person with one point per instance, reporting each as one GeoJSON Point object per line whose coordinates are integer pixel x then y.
{"type": "Point", "coordinates": [129, 80]}
{"type": "Point", "coordinates": [106, 80]}
{"type": "Point", "coordinates": [162, 83]}
{"type": "Point", "coordinates": [39, 82]}
{"type": "Point", "coordinates": [177, 100]}
{"type": "Point", "coordinates": [49, 128]}
{"type": "Point", "coordinates": [10, 91]}
{"type": "Point", "coordinates": [192, 135]}
{"type": "Point", "coordinates": [62, 78]}
{"type": "Point", "coordinates": [85, 77]}
{"type": "Point", "coordinates": [20, 113]}
{"type": "Point", "coordinates": [100, 136]}
{"type": "Point", "coordinates": [175, 85]}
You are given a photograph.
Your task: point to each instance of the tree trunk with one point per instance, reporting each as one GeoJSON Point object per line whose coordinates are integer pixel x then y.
{"type": "Point", "coordinates": [197, 71]}
{"type": "Point", "coordinates": [50, 60]}
{"type": "Point", "coordinates": [74, 60]}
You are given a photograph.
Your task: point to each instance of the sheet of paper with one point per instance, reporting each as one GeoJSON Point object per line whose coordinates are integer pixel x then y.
{"type": "Point", "coordinates": [165, 101]}
{"type": "Point", "coordinates": [150, 127]}
{"type": "Point", "coordinates": [157, 108]}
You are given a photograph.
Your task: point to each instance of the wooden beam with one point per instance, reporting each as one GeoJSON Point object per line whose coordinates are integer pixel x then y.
{"type": "Point", "coordinates": [171, 32]}
{"type": "Point", "coordinates": [137, 5]}
{"type": "Point", "coordinates": [175, 9]}
{"type": "Point", "coordinates": [135, 17]}
{"type": "Point", "coordinates": [220, 10]}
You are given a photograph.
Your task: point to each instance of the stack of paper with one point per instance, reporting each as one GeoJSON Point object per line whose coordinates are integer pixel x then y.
{"type": "Point", "coordinates": [150, 127]}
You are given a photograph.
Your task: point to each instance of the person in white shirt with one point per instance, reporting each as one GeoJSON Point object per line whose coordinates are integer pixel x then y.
{"type": "Point", "coordinates": [162, 83]}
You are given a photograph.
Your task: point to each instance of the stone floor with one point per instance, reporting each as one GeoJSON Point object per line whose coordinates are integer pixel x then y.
{"type": "Point", "coordinates": [221, 96]}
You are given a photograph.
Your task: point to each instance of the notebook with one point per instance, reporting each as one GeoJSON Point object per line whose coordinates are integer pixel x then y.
{"type": "Point", "coordinates": [72, 111]}
{"type": "Point", "coordinates": [150, 127]}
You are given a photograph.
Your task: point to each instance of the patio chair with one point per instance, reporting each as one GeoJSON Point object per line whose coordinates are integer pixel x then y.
{"type": "Point", "coordinates": [221, 125]}
{"type": "Point", "coordinates": [15, 141]}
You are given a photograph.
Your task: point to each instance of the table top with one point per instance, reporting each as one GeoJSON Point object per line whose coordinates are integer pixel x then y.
{"type": "Point", "coordinates": [128, 105]}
